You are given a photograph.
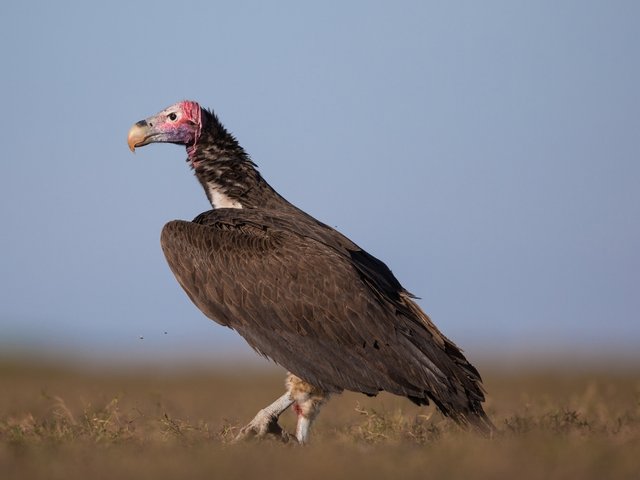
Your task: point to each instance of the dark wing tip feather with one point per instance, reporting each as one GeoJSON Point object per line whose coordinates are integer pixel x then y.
{"type": "Point", "coordinates": [376, 271]}
{"type": "Point", "coordinates": [472, 416]}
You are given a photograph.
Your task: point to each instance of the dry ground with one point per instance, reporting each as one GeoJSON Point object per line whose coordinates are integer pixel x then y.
{"type": "Point", "coordinates": [58, 423]}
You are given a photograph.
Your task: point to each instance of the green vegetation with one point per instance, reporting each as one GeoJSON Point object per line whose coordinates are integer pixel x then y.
{"type": "Point", "coordinates": [65, 424]}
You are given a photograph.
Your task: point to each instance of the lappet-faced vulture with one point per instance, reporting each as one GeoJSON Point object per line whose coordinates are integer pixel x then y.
{"type": "Point", "coordinates": [300, 292]}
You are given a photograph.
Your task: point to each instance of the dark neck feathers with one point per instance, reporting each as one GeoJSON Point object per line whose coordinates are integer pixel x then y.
{"type": "Point", "coordinates": [226, 172]}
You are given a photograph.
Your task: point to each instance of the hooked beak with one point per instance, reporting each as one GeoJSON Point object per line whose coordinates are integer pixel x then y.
{"type": "Point", "coordinates": [139, 135]}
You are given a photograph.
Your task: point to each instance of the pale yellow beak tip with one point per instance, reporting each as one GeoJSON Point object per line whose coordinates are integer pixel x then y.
{"type": "Point", "coordinates": [136, 135]}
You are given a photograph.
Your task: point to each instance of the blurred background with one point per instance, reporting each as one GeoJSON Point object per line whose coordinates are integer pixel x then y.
{"type": "Point", "coordinates": [488, 152]}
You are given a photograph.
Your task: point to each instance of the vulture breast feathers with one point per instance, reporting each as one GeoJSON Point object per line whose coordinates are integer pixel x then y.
{"type": "Point", "coordinates": [307, 297]}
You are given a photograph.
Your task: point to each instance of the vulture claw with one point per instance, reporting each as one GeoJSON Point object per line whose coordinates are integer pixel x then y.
{"type": "Point", "coordinates": [265, 423]}
{"type": "Point", "coordinates": [263, 427]}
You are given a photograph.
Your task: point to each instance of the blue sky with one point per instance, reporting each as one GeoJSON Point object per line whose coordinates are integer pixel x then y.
{"type": "Point", "coordinates": [488, 152]}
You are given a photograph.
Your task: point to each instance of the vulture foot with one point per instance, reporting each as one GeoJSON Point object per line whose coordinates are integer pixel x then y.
{"type": "Point", "coordinates": [263, 427]}
{"type": "Point", "coordinates": [265, 423]}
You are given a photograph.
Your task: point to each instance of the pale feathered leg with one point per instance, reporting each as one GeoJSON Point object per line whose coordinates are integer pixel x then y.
{"type": "Point", "coordinates": [308, 401]}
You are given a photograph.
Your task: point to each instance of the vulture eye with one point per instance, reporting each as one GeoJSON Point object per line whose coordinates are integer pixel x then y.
{"type": "Point", "coordinates": [172, 116]}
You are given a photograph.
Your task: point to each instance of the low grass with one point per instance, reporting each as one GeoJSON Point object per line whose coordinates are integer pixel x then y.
{"type": "Point", "coordinates": [59, 423]}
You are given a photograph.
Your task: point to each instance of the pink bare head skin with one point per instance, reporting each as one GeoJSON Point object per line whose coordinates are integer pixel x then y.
{"type": "Point", "coordinates": [180, 123]}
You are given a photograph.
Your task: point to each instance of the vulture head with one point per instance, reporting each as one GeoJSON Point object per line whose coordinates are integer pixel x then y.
{"type": "Point", "coordinates": [180, 124]}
